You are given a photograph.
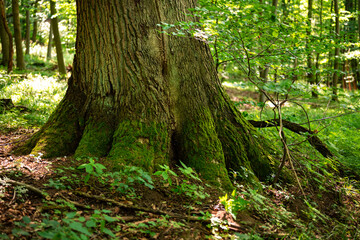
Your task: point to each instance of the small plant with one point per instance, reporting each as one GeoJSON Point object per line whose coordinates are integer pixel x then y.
{"type": "Point", "coordinates": [92, 169]}
{"type": "Point", "coordinates": [71, 226]}
{"type": "Point", "coordinates": [123, 180]}
{"type": "Point", "coordinates": [166, 174]}
{"type": "Point", "coordinates": [233, 204]}
{"type": "Point", "coordinates": [193, 191]}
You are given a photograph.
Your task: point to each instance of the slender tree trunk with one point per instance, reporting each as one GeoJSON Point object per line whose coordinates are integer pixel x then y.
{"type": "Point", "coordinates": [49, 47]}
{"type": "Point", "coordinates": [57, 39]}
{"type": "Point", "coordinates": [20, 63]}
{"type": "Point", "coordinates": [35, 23]}
{"type": "Point", "coordinates": [27, 34]}
{"type": "Point", "coordinates": [144, 98]}
{"type": "Point", "coordinates": [317, 76]}
{"type": "Point", "coordinates": [5, 26]}
{"type": "Point", "coordinates": [335, 79]}
{"type": "Point", "coordinates": [264, 72]}
{"type": "Point", "coordinates": [309, 59]}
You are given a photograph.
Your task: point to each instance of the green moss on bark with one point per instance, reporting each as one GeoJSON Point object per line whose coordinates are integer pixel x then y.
{"type": "Point", "coordinates": [200, 148]}
{"type": "Point", "coordinates": [141, 144]}
{"type": "Point", "coordinates": [58, 137]}
{"type": "Point", "coordinates": [96, 139]}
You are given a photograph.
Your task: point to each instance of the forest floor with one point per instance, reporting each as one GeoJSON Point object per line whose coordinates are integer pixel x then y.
{"type": "Point", "coordinates": [66, 198]}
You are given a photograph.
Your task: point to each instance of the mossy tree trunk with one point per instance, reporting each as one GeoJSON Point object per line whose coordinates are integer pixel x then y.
{"type": "Point", "coordinates": [144, 98]}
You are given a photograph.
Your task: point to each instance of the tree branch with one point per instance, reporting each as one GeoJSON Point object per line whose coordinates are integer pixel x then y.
{"type": "Point", "coordinates": [296, 128]}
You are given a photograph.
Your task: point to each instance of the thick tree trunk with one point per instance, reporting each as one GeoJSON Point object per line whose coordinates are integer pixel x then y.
{"type": "Point", "coordinates": [20, 63]}
{"type": "Point", "coordinates": [140, 97]}
{"type": "Point", "coordinates": [57, 39]}
{"type": "Point", "coordinates": [7, 45]}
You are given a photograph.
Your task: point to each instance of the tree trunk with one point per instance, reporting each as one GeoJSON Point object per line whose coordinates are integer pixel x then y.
{"type": "Point", "coordinates": [27, 34]}
{"type": "Point", "coordinates": [309, 58]}
{"type": "Point", "coordinates": [7, 45]}
{"type": "Point", "coordinates": [317, 65]}
{"type": "Point", "coordinates": [49, 47]}
{"type": "Point", "coordinates": [57, 39]}
{"type": "Point", "coordinates": [144, 98]}
{"type": "Point", "coordinates": [335, 79]}
{"type": "Point", "coordinates": [264, 72]}
{"type": "Point", "coordinates": [20, 63]}
{"type": "Point", "coordinates": [35, 23]}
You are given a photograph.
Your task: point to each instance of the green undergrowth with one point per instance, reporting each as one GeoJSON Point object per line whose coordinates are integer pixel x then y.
{"type": "Point", "coordinates": [336, 124]}
{"type": "Point", "coordinates": [36, 94]}
{"type": "Point", "coordinates": [277, 211]}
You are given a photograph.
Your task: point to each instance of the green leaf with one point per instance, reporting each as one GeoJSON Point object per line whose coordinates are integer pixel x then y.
{"type": "Point", "coordinates": [47, 235]}
{"type": "Point", "coordinates": [26, 219]}
{"type": "Point", "coordinates": [89, 168]}
{"type": "Point", "coordinates": [275, 34]}
{"type": "Point", "coordinates": [109, 219]}
{"type": "Point", "coordinates": [90, 223]}
{"type": "Point", "coordinates": [108, 232]}
{"type": "Point", "coordinates": [79, 227]}
{"type": "Point", "coordinates": [70, 214]}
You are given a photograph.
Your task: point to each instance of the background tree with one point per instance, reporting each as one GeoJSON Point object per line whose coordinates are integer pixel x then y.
{"type": "Point", "coordinates": [336, 73]}
{"type": "Point", "coordinates": [144, 98]}
{"type": "Point", "coordinates": [20, 63]}
{"type": "Point", "coordinates": [7, 45]}
{"type": "Point", "coordinates": [57, 39]}
{"type": "Point", "coordinates": [35, 22]}
{"type": "Point", "coordinates": [49, 46]}
{"type": "Point", "coordinates": [27, 32]}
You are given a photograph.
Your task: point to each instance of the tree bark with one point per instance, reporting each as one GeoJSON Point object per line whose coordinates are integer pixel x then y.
{"type": "Point", "coordinates": [57, 39]}
{"type": "Point", "coordinates": [20, 63]}
{"type": "Point", "coordinates": [5, 46]}
{"type": "Point", "coordinates": [6, 43]}
{"type": "Point", "coordinates": [335, 79]}
{"type": "Point", "coordinates": [309, 58]}
{"type": "Point", "coordinates": [144, 98]}
{"type": "Point", "coordinates": [27, 33]}
{"type": "Point", "coordinates": [49, 46]}
{"type": "Point", "coordinates": [35, 23]}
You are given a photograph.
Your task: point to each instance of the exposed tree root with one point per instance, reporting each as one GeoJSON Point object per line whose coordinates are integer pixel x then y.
{"type": "Point", "coordinates": [296, 128]}
{"type": "Point", "coordinates": [100, 198]}
{"type": "Point", "coordinates": [143, 209]}
{"type": "Point", "coordinates": [30, 187]}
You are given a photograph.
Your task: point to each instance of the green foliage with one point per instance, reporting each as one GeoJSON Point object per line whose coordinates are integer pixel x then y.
{"type": "Point", "coordinates": [40, 94]}
{"type": "Point", "coordinates": [166, 173]}
{"type": "Point", "coordinates": [234, 204]}
{"type": "Point", "coordinates": [124, 180]}
{"type": "Point", "coordinates": [72, 226]}
{"type": "Point", "coordinates": [186, 187]}
{"type": "Point", "coordinates": [92, 169]}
